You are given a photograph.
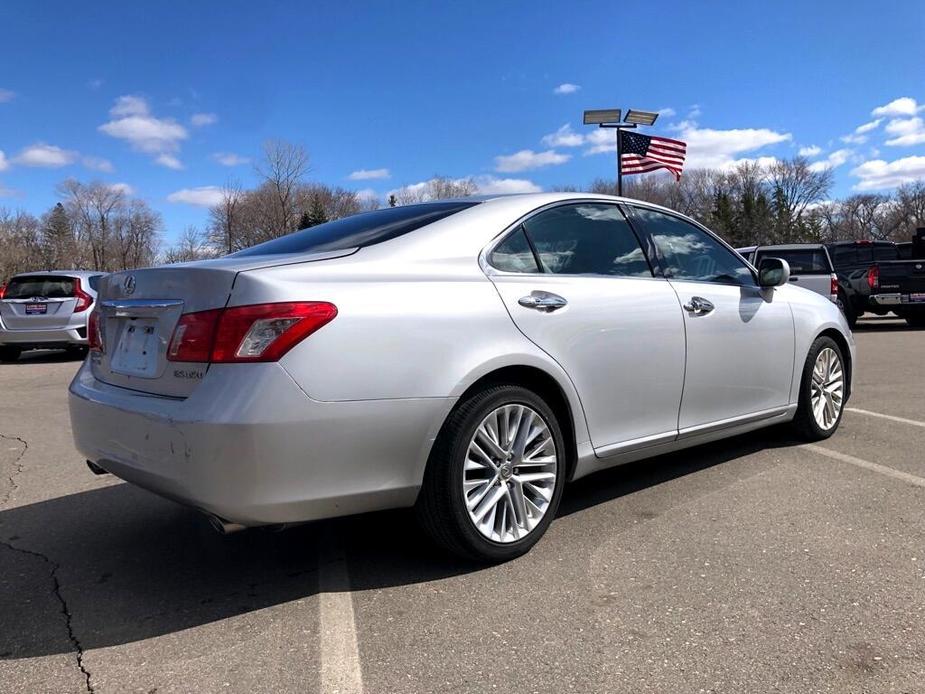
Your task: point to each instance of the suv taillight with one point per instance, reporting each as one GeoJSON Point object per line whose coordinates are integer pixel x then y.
{"type": "Point", "coordinates": [95, 331]}
{"type": "Point", "coordinates": [84, 300]}
{"type": "Point", "coordinates": [833, 287]}
{"type": "Point", "coordinates": [873, 277]}
{"type": "Point", "coordinates": [261, 332]}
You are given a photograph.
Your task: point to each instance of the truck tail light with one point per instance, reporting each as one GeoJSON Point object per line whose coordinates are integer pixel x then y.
{"type": "Point", "coordinates": [95, 331]}
{"type": "Point", "coordinates": [873, 277]}
{"type": "Point", "coordinates": [84, 300]}
{"type": "Point", "coordinates": [257, 333]}
{"type": "Point", "coordinates": [833, 287]}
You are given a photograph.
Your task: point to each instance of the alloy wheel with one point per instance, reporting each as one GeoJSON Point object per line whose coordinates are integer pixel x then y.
{"type": "Point", "coordinates": [827, 388]}
{"type": "Point", "coordinates": [509, 474]}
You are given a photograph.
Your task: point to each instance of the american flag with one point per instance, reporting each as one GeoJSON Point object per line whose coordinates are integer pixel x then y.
{"type": "Point", "coordinates": [643, 153]}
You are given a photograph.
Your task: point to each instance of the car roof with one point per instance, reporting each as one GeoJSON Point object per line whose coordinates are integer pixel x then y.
{"type": "Point", "coordinates": [792, 246]}
{"type": "Point", "coordinates": [63, 273]}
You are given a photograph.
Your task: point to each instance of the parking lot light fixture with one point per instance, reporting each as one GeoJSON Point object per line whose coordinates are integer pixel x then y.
{"type": "Point", "coordinates": [610, 118]}
{"type": "Point", "coordinates": [641, 117]}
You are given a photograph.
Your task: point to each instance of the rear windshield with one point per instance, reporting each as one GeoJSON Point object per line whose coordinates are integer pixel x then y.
{"type": "Point", "coordinates": [49, 287]}
{"type": "Point", "coordinates": [862, 254]}
{"type": "Point", "coordinates": [359, 230]}
{"type": "Point", "coordinates": [805, 261]}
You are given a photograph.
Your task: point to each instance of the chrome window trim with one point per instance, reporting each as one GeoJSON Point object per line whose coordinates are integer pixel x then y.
{"type": "Point", "coordinates": [491, 270]}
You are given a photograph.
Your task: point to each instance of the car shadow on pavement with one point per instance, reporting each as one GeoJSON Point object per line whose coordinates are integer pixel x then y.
{"type": "Point", "coordinates": [45, 356]}
{"type": "Point", "coordinates": [117, 565]}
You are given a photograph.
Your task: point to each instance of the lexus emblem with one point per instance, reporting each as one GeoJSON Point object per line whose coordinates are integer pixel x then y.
{"type": "Point", "coordinates": [128, 286]}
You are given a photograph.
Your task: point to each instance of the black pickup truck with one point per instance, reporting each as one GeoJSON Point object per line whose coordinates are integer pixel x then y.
{"type": "Point", "coordinates": [872, 278]}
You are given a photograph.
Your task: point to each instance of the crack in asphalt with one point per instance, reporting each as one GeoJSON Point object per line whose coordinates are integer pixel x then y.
{"type": "Point", "coordinates": [56, 589]}
{"type": "Point", "coordinates": [17, 466]}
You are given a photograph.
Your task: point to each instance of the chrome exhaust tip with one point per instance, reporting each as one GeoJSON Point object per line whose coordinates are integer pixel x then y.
{"type": "Point", "coordinates": [223, 527]}
{"type": "Point", "coordinates": [96, 469]}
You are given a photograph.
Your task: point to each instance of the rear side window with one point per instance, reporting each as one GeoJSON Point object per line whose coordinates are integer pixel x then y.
{"type": "Point", "coordinates": [586, 239]}
{"type": "Point", "coordinates": [810, 261]}
{"type": "Point", "coordinates": [359, 230]}
{"type": "Point", "coordinates": [49, 287]}
{"type": "Point", "coordinates": [514, 254]}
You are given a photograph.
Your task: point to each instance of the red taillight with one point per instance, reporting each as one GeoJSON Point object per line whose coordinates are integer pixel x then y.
{"type": "Point", "coordinates": [84, 300]}
{"type": "Point", "coordinates": [262, 332]}
{"type": "Point", "coordinates": [193, 337]}
{"type": "Point", "coordinates": [833, 287]}
{"type": "Point", "coordinates": [2, 290]}
{"type": "Point", "coordinates": [873, 277]}
{"type": "Point", "coordinates": [94, 332]}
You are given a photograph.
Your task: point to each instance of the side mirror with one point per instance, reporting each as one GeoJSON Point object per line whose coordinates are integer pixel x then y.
{"type": "Point", "coordinates": [773, 272]}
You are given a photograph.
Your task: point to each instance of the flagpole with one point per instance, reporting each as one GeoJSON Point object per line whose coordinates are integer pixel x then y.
{"type": "Point", "coordinates": [619, 165]}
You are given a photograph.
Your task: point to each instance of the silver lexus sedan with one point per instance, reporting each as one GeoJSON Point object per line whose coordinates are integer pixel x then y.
{"type": "Point", "coordinates": [465, 357]}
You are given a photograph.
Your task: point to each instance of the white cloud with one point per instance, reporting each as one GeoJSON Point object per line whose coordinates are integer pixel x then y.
{"type": "Point", "coordinates": [489, 185]}
{"type": "Point", "coordinates": [45, 156]}
{"type": "Point", "coordinates": [907, 131]}
{"type": "Point", "coordinates": [95, 84]}
{"type": "Point", "coordinates": [810, 151]}
{"type": "Point", "coordinates": [367, 194]}
{"type": "Point", "coordinates": [7, 192]}
{"type": "Point", "coordinates": [904, 106]}
{"type": "Point", "coordinates": [134, 123]}
{"type": "Point", "coordinates": [200, 119]}
{"type": "Point", "coordinates": [719, 149]}
{"type": "Point", "coordinates": [867, 127]}
{"type": "Point", "coordinates": [835, 159]}
{"type": "Point", "coordinates": [203, 196]}
{"type": "Point", "coordinates": [527, 159]}
{"type": "Point", "coordinates": [667, 112]}
{"type": "Point", "coordinates": [169, 161]}
{"type": "Point", "coordinates": [4, 164]}
{"type": "Point", "coordinates": [563, 137]}
{"type": "Point", "coordinates": [123, 188]}
{"type": "Point", "coordinates": [230, 159]}
{"type": "Point", "coordinates": [694, 111]}
{"type": "Point", "coordinates": [878, 174]}
{"type": "Point", "coordinates": [853, 139]}
{"type": "Point", "coordinates": [6, 95]}
{"type": "Point", "coordinates": [97, 164]}
{"type": "Point", "coordinates": [369, 174]}
{"type": "Point", "coordinates": [566, 88]}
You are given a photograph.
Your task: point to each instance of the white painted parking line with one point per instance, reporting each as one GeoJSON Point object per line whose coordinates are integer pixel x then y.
{"type": "Point", "coordinates": [892, 418]}
{"type": "Point", "coordinates": [867, 465]}
{"type": "Point", "coordinates": [341, 672]}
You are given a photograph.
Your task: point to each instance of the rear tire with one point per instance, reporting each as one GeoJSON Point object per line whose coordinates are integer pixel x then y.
{"type": "Point", "coordinates": [465, 471]}
{"type": "Point", "coordinates": [9, 353]}
{"type": "Point", "coordinates": [822, 391]}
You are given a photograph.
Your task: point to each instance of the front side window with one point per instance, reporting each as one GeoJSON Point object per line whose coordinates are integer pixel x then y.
{"type": "Point", "coordinates": [689, 253]}
{"type": "Point", "coordinates": [586, 239]}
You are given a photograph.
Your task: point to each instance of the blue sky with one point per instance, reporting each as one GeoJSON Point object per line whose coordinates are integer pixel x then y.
{"type": "Point", "coordinates": [171, 100]}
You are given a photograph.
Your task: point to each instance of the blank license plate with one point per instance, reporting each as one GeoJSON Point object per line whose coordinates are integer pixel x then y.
{"type": "Point", "coordinates": [136, 354]}
{"type": "Point", "coordinates": [36, 309]}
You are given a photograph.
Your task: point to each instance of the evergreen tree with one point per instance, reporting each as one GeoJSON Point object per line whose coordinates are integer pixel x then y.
{"type": "Point", "coordinates": [316, 213]}
{"type": "Point", "coordinates": [58, 247]}
{"type": "Point", "coordinates": [305, 220]}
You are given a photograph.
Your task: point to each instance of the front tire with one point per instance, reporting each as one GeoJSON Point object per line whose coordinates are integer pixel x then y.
{"type": "Point", "coordinates": [495, 475]}
{"type": "Point", "coordinates": [9, 353]}
{"type": "Point", "coordinates": [822, 391]}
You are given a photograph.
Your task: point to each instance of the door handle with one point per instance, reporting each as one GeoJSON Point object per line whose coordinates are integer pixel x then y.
{"type": "Point", "coordinates": [698, 305]}
{"type": "Point", "coordinates": [542, 301]}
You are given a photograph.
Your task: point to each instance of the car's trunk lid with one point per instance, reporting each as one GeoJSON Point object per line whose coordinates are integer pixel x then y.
{"type": "Point", "coordinates": [139, 310]}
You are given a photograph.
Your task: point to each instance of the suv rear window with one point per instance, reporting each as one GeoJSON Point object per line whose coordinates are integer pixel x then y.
{"type": "Point", "coordinates": [48, 286]}
{"type": "Point", "coordinates": [806, 261]}
{"type": "Point", "coordinates": [359, 230]}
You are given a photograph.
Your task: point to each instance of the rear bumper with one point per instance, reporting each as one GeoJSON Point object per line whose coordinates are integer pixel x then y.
{"type": "Point", "coordinates": [40, 338]}
{"type": "Point", "coordinates": [896, 299]}
{"type": "Point", "coordinates": [249, 446]}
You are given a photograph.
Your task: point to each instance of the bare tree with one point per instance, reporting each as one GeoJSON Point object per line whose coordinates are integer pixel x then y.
{"type": "Point", "coordinates": [283, 167]}
{"type": "Point", "coordinates": [136, 235]}
{"type": "Point", "coordinates": [225, 219]}
{"type": "Point", "coordinates": [91, 207]}
{"type": "Point", "coordinates": [192, 245]}
{"type": "Point", "coordinates": [437, 188]}
{"type": "Point", "coordinates": [21, 243]}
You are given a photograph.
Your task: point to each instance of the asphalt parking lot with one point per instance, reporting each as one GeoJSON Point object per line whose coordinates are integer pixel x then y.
{"type": "Point", "coordinates": [751, 565]}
